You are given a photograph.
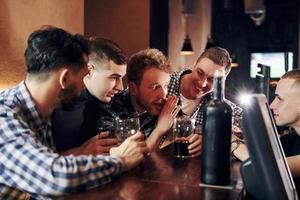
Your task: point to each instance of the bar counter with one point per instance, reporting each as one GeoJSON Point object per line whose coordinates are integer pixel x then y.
{"type": "Point", "coordinates": [161, 177]}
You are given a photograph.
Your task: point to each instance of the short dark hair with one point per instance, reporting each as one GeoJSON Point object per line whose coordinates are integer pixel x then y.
{"type": "Point", "coordinates": [51, 48]}
{"type": "Point", "coordinates": [293, 74]}
{"type": "Point", "coordinates": [144, 60]}
{"type": "Point", "coordinates": [219, 56]}
{"type": "Point", "coordinates": [104, 49]}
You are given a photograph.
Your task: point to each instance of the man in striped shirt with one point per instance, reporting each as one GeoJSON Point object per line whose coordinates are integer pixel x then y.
{"type": "Point", "coordinates": [56, 64]}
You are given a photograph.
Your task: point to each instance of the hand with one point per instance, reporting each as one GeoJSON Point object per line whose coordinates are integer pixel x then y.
{"type": "Point", "coordinates": [131, 151]}
{"type": "Point", "coordinates": [98, 144]}
{"type": "Point", "coordinates": [167, 115]}
{"type": "Point", "coordinates": [195, 147]}
{"type": "Point", "coordinates": [239, 149]}
{"type": "Point", "coordinates": [237, 131]}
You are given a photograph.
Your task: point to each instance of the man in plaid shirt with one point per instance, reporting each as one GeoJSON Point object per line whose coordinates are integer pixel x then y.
{"type": "Point", "coordinates": [56, 64]}
{"type": "Point", "coordinates": [194, 87]}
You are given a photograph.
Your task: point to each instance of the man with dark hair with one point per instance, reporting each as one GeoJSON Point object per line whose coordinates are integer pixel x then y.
{"type": "Point", "coordinates": [75, 125]}
{"type": "Point", "coordinates": [56, 64]}
{"type": "Point", "coordinates": [194, 87]}
{"type": "Point", "coordinates": [148, 76]}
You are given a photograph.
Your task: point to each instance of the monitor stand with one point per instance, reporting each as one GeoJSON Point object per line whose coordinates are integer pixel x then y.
{"type": "Point", "coordinates": [254, 191]}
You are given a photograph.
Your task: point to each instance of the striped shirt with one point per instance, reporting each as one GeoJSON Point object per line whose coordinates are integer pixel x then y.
{"type": "Point", "coordinates": [29, 161]}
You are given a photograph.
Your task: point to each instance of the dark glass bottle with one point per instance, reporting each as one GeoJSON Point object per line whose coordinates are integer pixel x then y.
{"type": "Point", "coordinates": [217, 116]}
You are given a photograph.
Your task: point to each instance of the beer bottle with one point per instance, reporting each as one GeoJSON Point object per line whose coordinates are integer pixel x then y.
{"type": "Point", "coordinates": [217, 116]}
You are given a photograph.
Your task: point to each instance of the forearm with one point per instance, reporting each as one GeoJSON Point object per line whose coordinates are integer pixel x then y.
{"type": "Point", "coordinates": [294, 164]}
{"type": "Point", "coordinates": [239, 148]}
{"type": "Point", "coordinates": [74, 151]}
{"type": "Point", "coordinates": [241, 152]}
{"type": "Point", "coordinates": [41, 172]}
{"type": "Point", "coordinates": [154, 139]}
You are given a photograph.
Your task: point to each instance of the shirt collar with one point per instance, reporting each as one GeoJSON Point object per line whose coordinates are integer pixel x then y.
{"type": "Point", "coordinates": [130, 110]}
{"type": "Point", "coordinates": [29, 107]}
{"type": "Point", "coordinates": [84, 98]}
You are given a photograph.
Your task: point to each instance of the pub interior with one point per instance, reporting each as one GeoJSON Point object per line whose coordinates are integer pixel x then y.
{"type": "Point", "coordinates": [252, 31]}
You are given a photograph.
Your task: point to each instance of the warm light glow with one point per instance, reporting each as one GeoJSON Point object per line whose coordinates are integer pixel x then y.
{"type": "Point", "coordinates": [245, 99]}
{"type": "Point", "coordinates": [235, 64]}
{"type": "Point", "coordinates": [187, 53]}
{"type": "Point", "coordinates": [187, 48]}
{"type": "Point", "coordinates": [3, 87]}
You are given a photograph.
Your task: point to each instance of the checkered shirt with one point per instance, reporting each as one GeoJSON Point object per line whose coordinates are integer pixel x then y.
{"type": "Point", "coordinates": [121, 107]}
{"type": "Point", "coordinates": [28, 159]}
{"type": "Point", "coordinates": [174, 89]}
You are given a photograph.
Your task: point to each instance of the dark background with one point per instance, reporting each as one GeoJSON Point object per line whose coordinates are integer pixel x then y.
{"type": "Point", "coordinates": [235, 31]}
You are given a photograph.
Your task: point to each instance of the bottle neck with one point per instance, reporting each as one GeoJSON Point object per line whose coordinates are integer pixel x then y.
{"type": "Point", "coordinates": [218, 88]}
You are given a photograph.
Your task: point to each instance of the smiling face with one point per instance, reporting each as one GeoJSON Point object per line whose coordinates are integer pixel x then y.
{"type": "Point", "coordinates": [150, 94]}
{"type": "Point", "coordinates": [286, 105]}
{"type": "Point", "coordinates": [202, 78]}
{"type": "Point", "coordinates": [105, 81]}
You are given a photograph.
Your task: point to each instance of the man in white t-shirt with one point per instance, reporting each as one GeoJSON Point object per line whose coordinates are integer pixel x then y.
{"type": "Point", "coordinates": [194, 86]}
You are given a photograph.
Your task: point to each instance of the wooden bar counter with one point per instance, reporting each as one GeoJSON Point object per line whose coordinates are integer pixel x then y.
{"type": "Point", "coordinates": [162, 177]}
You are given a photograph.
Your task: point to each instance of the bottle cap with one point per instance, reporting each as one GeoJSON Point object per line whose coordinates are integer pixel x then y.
{"type": "Point", "coordinates": [219, 73]}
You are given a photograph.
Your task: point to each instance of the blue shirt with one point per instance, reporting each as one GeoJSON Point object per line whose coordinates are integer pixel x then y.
{"type": "Point", "coordinates": [29, 161]}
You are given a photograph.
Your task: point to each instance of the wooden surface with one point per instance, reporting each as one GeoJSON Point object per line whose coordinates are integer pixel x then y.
{"type": "Point", "coordinates": [161, 177]}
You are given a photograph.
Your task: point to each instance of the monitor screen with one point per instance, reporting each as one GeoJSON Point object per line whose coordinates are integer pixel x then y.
{"type": "Point", "coordinates": [273, 59]}
{"type": "Point", "coordinates": [266, 174]}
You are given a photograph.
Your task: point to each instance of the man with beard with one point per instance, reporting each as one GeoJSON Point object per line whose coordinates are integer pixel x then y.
{"type": "Point", "coordinates": [194, 87]}
{"type": "Point", "coordinates": [56, 64]}
{"type": "Point", "coordinates": [148, 76]}
{"type": "Point", "coordinates": [74, 125]}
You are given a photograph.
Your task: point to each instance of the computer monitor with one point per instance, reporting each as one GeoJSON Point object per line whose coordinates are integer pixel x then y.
{"type": "Point", "coordinates": [265, 174]}
{"type": "Point", "coordinates": [277, 61]}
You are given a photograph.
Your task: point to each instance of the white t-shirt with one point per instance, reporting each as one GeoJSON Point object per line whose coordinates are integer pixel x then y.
{"type": "Point", "coordinates": [188, 106]}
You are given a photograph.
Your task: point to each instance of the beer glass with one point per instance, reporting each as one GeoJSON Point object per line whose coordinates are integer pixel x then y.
{"type": "Point", "coordinates": [126, 127]}
{"type": "Point", "coordinates": [183, 128]}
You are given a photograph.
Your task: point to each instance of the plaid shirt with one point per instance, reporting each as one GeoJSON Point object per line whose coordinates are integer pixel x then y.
{"type": "Point", "coordinates": [121, 107]}
{"type": "Point", "coordinates": [28, 159]}
{"type": "Point", "coordinates": [174, 89]}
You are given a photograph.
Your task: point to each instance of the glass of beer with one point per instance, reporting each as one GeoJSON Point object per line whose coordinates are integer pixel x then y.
{"type": "Point", "coordinates": [183, 128]}
{"type": "Point", "coordinates": [106, 124]}
{"type": "Point", "coordinates": [126, 127]}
